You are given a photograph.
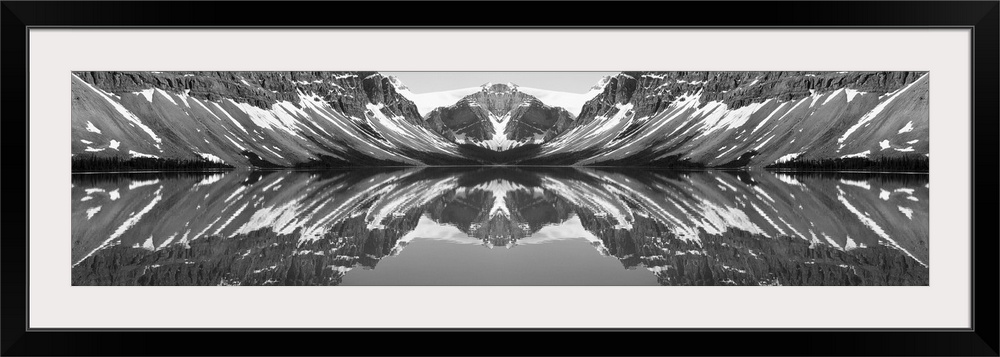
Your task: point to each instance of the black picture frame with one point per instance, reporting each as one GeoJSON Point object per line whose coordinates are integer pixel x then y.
{"type": "Point", "coordinates": [982, 17]}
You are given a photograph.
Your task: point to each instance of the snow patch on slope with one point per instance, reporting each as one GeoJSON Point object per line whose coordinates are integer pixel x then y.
{"type": "Point", "coordinates": [787, 158]}
{"type": "Point", "coordinates": [122, 110]}
{"type": "Point", "coordinates": [147, 93]}
{"type": "Point", "coordinates": [93, 129]}
{"type": "Point", "coordinates": [874, 112]}
{"type": "Point", "coordinates": [139, 154]}
{"type": "Point", "coordinates": [906, 211]}
{"type": "Point", "coordinates": [851, 94]}
{"type": "Point", "coordinates": [94, 210]}
{"type": "Point", "coordinates": [211, 158]}
{"type": "Point", "coordinates": [907, 128]}
{"type": "Point", "coordinates": [860, 154]}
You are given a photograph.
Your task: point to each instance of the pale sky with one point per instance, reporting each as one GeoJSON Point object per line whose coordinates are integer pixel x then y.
{"type": "Point", "coordinates": [572, 82]}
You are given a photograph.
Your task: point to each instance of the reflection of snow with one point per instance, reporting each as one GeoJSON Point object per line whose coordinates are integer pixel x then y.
{"type": "Point", "coordinates": [868, 222]}
{"type": "Point", "coordinates": [210, 179]}
{"type": "Point", "coordinates": [788, 179]}
{"type": "Point", "coordinates": [125, 226]}
{"type": "Point", "coordinates": [596, 199]}
{"type": "Point", "coordinates": [499, 189]}
{"type": "Point", "coordinates": [862, 184]}
{"type": "Point", "coordinates": [93, 129]}
{"type": "Point", "coordinates": [571, 228]}
{"type": "Point", "coordinates": [402, 199]}
{"type": "Point", "coordinates": [908, 212]}
{"type": "Point", "coordinates": [684, 213]}
{"type": "Point", "coordinates": [92, 211]}
{"type": "Point", "coordinates": [138, 183]}
{"type": "Point", "coordinates": [907, 128]}
{"type": "Point", "coordinates": [429, 229]}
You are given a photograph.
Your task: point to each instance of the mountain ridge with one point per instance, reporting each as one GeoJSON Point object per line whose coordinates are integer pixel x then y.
{"type": "Point", "coordinates": [317, 119]}
{"type": "Point", "coordinates": [659, 115]}
{"type": "Point", "coordinates": [499, 117]}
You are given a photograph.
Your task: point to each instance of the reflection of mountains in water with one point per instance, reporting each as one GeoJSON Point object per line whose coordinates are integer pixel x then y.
{"type": "Point", "coordinates": [688, 228]}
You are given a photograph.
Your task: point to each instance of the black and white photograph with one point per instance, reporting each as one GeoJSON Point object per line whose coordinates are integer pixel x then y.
{"type": "Point", "coordinates": [684, 173]}
{"type": "Point", "coordinates": [543, 178]}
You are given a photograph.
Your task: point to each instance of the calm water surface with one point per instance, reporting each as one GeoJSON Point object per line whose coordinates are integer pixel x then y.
{"type": "Point", "coordinates": [499, 226]}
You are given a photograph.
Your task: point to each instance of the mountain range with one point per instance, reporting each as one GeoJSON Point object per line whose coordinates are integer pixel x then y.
{"type": "Point", "coordinates": [335, 119]}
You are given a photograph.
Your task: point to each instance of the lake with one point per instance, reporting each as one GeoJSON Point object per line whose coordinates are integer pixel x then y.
{"type": "Point", "coordinates": [500, 226]}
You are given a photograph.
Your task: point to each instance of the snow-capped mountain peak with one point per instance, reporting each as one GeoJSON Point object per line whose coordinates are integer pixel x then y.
{"type": "Point", "coordinates": [500, 116]}
{"type": "Point", "coordinates": [398, 84]}
{"type": "Point", "coordinates": [603, 82]}
{"type": "Point", "coordinates": [427, 102]}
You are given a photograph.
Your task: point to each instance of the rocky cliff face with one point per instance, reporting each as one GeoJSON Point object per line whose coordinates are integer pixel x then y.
{"type": "Point", "coordinates": [499, 117]}
{"type": "Point", "coordinates": [652, 92]}
{"type": "Point", "coordinates": [749, 118]}
{"type": "Point", "coordinates": [348, 92]}
{"type": "Point", "coordinates": [248, 118]}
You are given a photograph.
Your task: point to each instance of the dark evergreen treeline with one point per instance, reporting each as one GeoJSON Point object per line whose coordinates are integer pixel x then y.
{"type": "Point", "coordinates": [95, 163]}
{"type": "Point", "coordinates": [906, 163]}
